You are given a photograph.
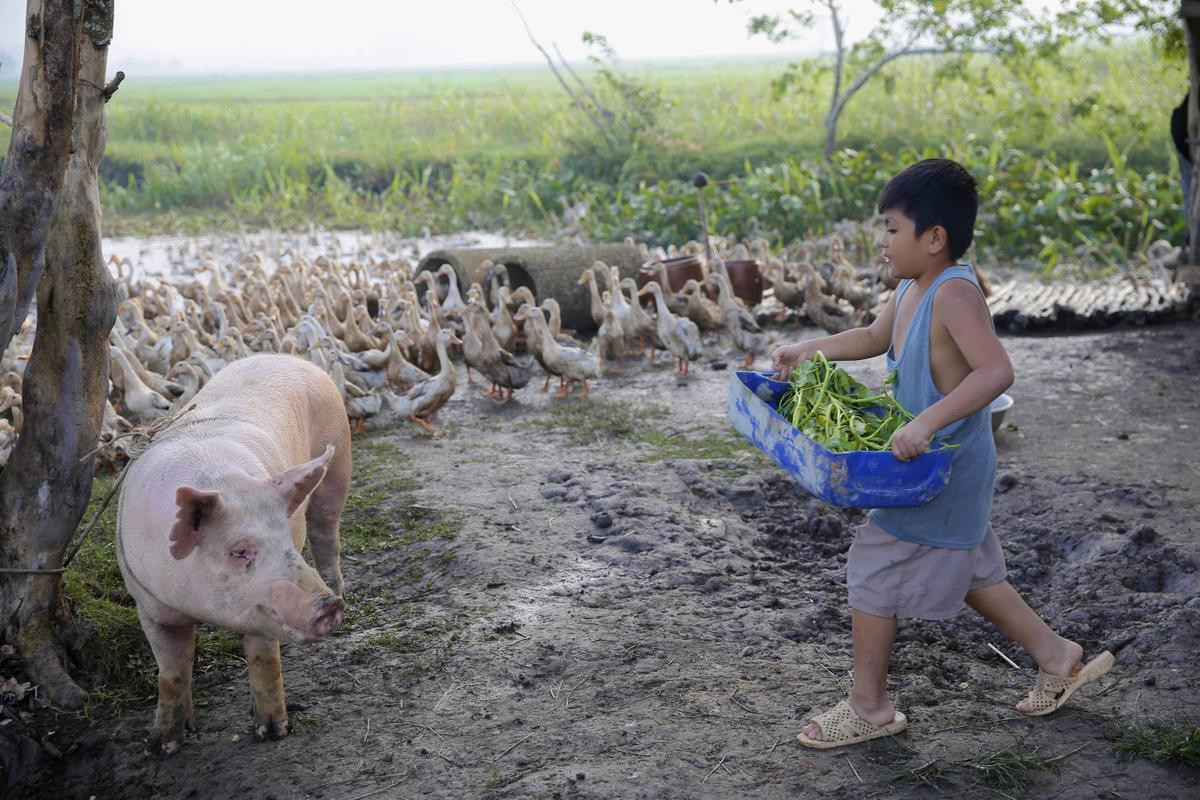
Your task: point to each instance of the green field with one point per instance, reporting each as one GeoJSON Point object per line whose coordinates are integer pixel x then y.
{"type": "Point", "coordinates": [1079, 154]}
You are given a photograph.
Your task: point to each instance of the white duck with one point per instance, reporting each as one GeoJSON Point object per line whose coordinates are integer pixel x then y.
{"type": "Point", "coordinates": [423, 400]}
{"type": "Point", "coordinates": [569, 363]}
{"type": "Point", "coordinates": [141, 402]}
{"type": "Point", "coordinates": [679, 334]}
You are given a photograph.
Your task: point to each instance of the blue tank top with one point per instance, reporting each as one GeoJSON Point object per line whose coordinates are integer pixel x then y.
{"type": "Point", "coordinates": [958, 517]}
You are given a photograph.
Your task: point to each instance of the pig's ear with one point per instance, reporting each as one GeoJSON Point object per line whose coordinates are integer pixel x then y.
{"type": "Point", "coordinates": [196, 508]}
{"type": "Point", "coordinates": [296, 483]}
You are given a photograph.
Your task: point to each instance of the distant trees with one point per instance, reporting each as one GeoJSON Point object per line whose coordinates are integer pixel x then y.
{"type": "Point", "coordinates": [1015, 32]}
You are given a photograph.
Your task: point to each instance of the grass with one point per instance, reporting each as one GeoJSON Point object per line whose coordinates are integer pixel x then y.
{"type": "Point", "coordinates": [1163, 742]}
{"type": "Point", "coordinates": [380, 513]}
{"type": "Point", "coordinates": [588, 420]}
{"type": "Point", "coordinates": [499, 149]}
{"type": "Point", "coordinates": [596, 419]}
{"type": "Point", "coordinates": [1008, 772]}
{"type": "Point", "coordinates": [709, 447]}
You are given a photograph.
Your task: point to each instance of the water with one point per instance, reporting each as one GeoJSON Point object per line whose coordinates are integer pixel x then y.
{"type": "Point", "coordinates": [181, 255]}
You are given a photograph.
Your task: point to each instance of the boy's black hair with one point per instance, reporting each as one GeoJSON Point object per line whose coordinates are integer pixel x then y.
{"type": "Point", "coordinates": [936, 191]}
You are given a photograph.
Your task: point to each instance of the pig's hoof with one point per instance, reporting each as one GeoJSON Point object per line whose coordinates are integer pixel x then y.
{"type": "Point", "coordinates": [265, 729]}
{"type": "Point", "coordinates": [271, 726]}
{"type": "Point", "coordinates": [166, 743]}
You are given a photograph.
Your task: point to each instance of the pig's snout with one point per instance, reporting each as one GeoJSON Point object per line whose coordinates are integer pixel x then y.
{"type": "Point", "coordinates": [330, 610]}
{"type": "Point", "coordinates": [308, 614]}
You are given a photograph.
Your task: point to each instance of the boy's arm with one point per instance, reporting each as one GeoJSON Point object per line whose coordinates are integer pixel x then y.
{"type": "Point", "coordinates": [852, 345]}
{"type": "Point", "coordinates": [968, 322]}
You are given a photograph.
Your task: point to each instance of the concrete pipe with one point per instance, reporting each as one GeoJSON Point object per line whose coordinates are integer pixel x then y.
{"type": "Point", "coordinates": [548, 272]}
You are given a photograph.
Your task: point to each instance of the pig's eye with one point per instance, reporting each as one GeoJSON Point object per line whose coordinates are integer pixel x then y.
{"type": "Point", "coordinates": [243, 553]}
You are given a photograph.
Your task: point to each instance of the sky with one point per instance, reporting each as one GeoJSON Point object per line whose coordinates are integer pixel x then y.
{"type": "Point", "coordinates": [239, 36]}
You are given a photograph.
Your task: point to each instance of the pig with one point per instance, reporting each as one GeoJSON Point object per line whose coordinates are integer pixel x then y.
{"type": "Point", "coordinates": [211, 521]}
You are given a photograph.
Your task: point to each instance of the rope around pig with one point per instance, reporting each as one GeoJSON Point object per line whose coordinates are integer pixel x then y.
{"type": "Point", "coordinates": [140, 439]}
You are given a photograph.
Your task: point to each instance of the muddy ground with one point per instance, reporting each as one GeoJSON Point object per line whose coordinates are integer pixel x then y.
{"type": "Point", "coordinates": [616, 598]}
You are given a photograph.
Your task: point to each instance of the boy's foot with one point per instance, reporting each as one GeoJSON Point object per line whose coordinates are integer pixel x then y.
{"type": "Point", "coordinates": [1051, 691]}
{"type": "Point", "coordinates": [841, 726]}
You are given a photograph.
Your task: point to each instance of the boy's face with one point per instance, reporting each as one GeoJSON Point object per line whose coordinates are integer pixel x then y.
{"type": "Point", "coordinates": [906, 254]}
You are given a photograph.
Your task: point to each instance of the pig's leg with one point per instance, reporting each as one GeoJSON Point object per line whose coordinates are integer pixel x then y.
{"type": "Point", "coordinates": [174, 649]}
{"type": "Point", "coordinates": [324, 518]}
{"type": "Point", "coordinates": [266, 687]}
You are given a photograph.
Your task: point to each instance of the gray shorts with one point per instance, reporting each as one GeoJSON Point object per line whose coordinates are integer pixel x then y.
{"type": "Point", "coordinates": [890, 577]}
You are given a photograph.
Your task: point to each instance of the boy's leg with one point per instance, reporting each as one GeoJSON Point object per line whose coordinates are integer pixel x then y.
{"type": "Point", "coordinates": [1003, 607]}
{"type": "Point", "coordinates": [873, 639]}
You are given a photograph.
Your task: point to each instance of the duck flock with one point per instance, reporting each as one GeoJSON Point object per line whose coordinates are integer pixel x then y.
{"type": "Point", "coordinates": [391, 337]}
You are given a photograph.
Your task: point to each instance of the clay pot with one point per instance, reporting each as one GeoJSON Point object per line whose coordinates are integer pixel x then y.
{"type": "Point", "coordinates": [679, 271]}
{"type": "Point", "coordinates": [746, 280]}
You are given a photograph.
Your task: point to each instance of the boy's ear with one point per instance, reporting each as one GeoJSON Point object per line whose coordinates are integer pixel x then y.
{"type": "Point", "coordinates": [937, 239]}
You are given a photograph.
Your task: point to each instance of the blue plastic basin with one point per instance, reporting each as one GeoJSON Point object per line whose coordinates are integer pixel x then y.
{"type": "Point", "coordinates": [859, 479]}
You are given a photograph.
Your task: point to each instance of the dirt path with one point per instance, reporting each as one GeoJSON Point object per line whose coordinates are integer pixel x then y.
{"type": "Point", "coordinates": [617, 598]}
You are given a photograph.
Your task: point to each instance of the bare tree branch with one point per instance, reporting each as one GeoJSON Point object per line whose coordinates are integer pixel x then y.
{"type": "Point", "coordinates": [6, 119]}
{"type": "Point", "coordinates": [600, 126]}
{"type": "Point", "coordinates": [608, 115]}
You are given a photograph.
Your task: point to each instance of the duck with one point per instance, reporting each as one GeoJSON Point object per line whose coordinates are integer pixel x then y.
{"type": "Point", "coordinates": [752, 342]}
{"type": "Point", "coordinates": [402, 374]}
{"type": "Point", "coordinates": [482, 351]}
{"type": "Point", "coordinates": [10, 401]}
{"type": "Point", "coordinates": [503, 326]}
{"type": "Point", "coordinates": [424, 400]}
{"type": "Point", "coordinates": [360, 405]}
{"type": "Point", "coordinates": [828, 312]}
{"type": "Point", "coordinates": [621, 309]}
{"type": "Point", "coordinates": [644, 326]}
{"type": "Point", "coordinates": [699, 309]}
{"type": "Point", "coordinates": [844, 278]}
{"type": "Point", "coordinates": [453, 302]}
{"type": "Point", "coordinates": [569, 363]}
{"type": "Point", "coordinates": [352, 335]}
{"type": "Point", "coordinates": [610, 342]}
{"type": "Point", "coordinates": [788, 293]}
{"type": "Point", "coordinates": [184, 374]}
{"type": "Point", "coordinates": [680, 335]}
{"type": "Point", "coordinates": [676, 301]}
{"type": "Point", "coordinates": [729, 302]}
{"type": "Point", "coordinates": [8, 441]}
{"type": "Point", "coordinates": [743, 331]}
{"type": "Point", "coordinates": [599, 307]}
{"type": "Point", "coordinates": [143, 403]}
{"type": "Point", "coordinates": [554, 322]}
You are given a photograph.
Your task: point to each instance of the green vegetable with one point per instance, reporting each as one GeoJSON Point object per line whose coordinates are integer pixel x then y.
{"type": "Point", "coordinates": [828, 405]}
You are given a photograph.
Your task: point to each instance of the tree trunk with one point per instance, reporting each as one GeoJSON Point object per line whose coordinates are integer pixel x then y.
{"type": "Point", "coordinates": [37, 155]}
{"type": "Point", "coordinates": [47, 484]}
{"type": "Point", "coordinates": [1191, 24]}
{"type": "Point", "coordinates": [836, 101]}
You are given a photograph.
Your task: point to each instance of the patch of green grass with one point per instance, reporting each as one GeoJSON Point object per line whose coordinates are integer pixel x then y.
{"type": "Point", "coordinates": [432, 635]}
{"type": "Point", "coordinates": [1163, 742]}
{"type": "Point", "coordinates": [1008, 772]}
{"type": "Point", "coordinates": [586, 420]}
{"type": "Point", "coordinates": [1011, 770]}
{"type": "Point", "coordinates": [709, 447]}
{"type": "Point", "coordinates": [930, 775]}
{"type": "Point", "coordinates": [380, 512]}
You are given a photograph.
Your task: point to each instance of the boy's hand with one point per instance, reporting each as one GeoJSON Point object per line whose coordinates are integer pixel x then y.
{"type": "Point", "coordinates": [911, 440]}
{"type": "Point", "coordinates": [784, 359]}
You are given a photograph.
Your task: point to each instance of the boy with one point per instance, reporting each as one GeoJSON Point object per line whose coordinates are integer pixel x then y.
{"type": "Point", "coordinates": [923, 562]}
